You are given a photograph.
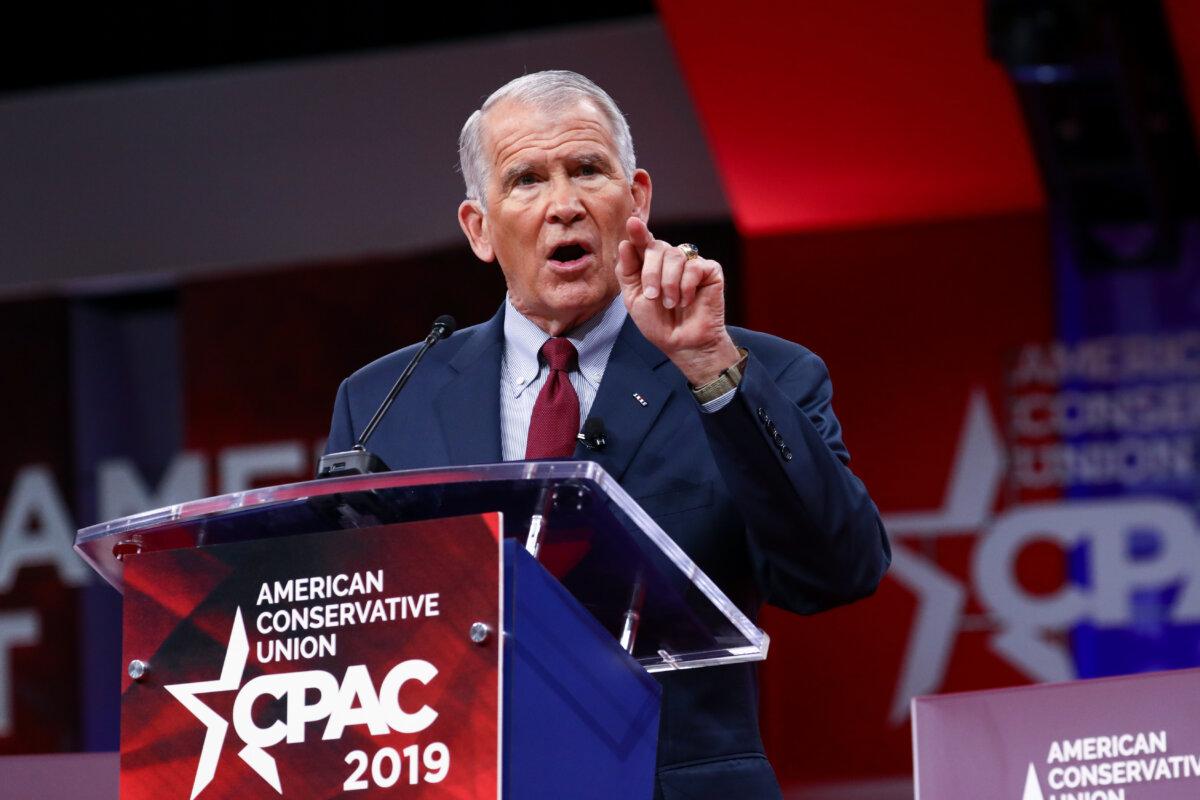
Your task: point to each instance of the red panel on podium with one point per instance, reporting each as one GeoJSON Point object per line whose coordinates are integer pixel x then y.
{"type": "Point", "coordinates": [348, 668]}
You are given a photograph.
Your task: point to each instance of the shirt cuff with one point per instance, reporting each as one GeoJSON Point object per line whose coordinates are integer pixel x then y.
{"type": "Point", "coordinates": [717, 403]}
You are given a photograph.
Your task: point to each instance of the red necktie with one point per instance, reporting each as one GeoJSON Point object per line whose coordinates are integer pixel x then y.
{"type": "Point", "coordinates": [555, 420]}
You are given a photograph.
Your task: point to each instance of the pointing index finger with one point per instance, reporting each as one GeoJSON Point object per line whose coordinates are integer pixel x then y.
{"type": "Point", "coordinates": [639, 235]}
{"type": "Point", "coordinates": [629, 266]}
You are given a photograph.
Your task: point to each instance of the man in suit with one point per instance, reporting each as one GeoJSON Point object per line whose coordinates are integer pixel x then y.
{"type": "Point", "coordinates": [725, 436]}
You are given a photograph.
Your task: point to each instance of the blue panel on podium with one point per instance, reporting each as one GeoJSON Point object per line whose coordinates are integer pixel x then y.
{"type": "Point", "coordinates": [580, 717]}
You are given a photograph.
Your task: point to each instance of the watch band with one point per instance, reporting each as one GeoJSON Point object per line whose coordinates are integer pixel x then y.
{"type": "Point", "coordinates": [725, 382]}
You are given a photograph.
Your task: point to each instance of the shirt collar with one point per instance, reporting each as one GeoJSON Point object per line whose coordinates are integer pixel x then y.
{"type": "Point", "coordinates": [593, 340]}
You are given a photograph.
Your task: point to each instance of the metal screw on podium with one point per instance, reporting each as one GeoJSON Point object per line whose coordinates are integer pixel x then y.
{"type": "Point", "coordinates": [129, 547]}
{"type": "Point", "coordinates": [138, 669]}
{"type": "Point", "coordinates": [480, 631]}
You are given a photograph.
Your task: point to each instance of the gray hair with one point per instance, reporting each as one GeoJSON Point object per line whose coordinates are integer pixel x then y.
{"type": "Point", "coordinates": [549, 92]}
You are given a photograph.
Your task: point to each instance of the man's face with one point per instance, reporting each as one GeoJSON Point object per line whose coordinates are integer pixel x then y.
{"type": "Point", "coordinates": [557, 203]}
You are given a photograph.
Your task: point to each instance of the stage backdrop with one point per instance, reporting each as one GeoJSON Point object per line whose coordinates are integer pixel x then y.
{"type": "Point", "coordinates": [1028, 431]}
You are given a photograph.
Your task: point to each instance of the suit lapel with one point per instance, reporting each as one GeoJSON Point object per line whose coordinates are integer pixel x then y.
{"type": "Point", "coordinates": [635, 369]}
{"type": "Point", "coordinates": [468, 406]}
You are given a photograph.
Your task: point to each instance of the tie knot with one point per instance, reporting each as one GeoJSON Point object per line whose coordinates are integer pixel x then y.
{"type": "Point", "coordinates": [559, 353]}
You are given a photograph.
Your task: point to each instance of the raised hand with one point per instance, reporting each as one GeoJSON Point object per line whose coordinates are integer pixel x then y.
{"type": "Point", "coordinates": [677, 302]}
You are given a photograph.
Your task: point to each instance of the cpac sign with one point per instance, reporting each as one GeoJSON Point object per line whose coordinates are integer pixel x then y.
{"type": "Point", "coordinates": [352, 701]}
{"type": "Point", "coordinates": [1109, 530]}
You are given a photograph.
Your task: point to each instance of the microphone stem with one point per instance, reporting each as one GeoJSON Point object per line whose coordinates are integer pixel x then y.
{"type": "Point", "coordinates": [430, 341]}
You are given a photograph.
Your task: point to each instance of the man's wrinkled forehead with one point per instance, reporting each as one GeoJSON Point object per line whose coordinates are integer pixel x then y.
{"type": "Point", "coordinates": [511, 125]}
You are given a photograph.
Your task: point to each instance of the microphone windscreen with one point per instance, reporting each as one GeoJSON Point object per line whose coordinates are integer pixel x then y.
{"type": "Point", "coordinates": [446, 324]}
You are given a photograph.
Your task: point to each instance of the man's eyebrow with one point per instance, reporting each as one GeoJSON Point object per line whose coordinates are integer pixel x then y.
{"type": "Point", "coordinates": [515, 171]}
{"type": "Point", "coordinates": [592, 159]}
{"type": "Point", "coordinates": [587, 158]}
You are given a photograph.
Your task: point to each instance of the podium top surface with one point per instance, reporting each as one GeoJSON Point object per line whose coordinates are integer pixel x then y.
{"type": "Point", "coordinates": [601, 545]}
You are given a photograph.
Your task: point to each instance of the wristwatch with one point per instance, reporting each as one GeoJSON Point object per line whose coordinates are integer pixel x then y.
{"type": "Point", "coordinates": [726, 381]}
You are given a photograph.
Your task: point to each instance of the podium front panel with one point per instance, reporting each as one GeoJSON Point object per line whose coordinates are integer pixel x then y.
{"type": "Point", "coordinates": [324, 665]}
{"type": "Point", "coordinates": [1135, 737]}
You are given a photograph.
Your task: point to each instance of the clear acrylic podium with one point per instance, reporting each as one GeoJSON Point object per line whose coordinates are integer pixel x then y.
{"type": "Point", "coordinates": [576, 712]}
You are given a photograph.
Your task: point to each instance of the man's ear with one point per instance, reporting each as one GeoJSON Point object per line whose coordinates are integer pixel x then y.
{"type": "Point", "coordinates": [474, 224]}
{"type": "Point", "coordinates": [642, 189]}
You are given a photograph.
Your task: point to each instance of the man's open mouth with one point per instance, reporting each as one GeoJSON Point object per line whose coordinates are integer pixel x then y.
{"type": "Point", "coordinates": [568, 252]}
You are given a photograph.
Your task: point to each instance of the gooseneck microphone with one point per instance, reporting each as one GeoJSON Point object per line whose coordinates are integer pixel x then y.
{"type": "Point", "coordinates": [358, 460]}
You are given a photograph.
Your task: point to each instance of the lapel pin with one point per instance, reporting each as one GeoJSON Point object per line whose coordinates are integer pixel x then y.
{"type": "Point", "coordinates": [640, 399]}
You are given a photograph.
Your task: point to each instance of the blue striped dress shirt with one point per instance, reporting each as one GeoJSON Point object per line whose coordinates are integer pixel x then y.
{"type": "Point", "coordinates": [522, 373]}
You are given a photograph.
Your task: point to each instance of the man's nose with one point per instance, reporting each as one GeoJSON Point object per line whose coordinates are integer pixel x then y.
{"type": "Point", "coordinates": [565, 204]}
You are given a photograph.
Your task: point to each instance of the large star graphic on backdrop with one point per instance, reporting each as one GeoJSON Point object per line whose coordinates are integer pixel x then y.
{"type": "Point", "coordinates": [975, 480]}
{"type": "Point", "coordinates": [236, 653]}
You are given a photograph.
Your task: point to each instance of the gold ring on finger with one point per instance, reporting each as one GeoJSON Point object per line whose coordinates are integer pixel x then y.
{"type": "Point", "coordinates": [689, 251]}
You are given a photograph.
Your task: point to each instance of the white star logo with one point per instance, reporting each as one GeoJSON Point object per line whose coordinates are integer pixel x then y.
{"type": "Point", "coordinates": [975, 480]}
{"type": "Point", "coordinates": [236, 654]}
{"type": "Point", "coordinates": [1033, 789]}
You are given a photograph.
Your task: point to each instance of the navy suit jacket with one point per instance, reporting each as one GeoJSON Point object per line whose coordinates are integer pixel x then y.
{"type": "Point", "coordinates": [758, 494]}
